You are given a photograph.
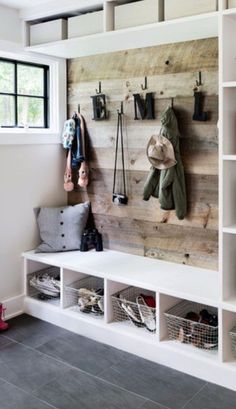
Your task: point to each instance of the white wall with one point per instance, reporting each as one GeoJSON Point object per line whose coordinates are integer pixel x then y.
{"type": "Point", "coordinates": [32, 166]}
{"type": "Point", "coordinates": [10, 25]}
{"type": "Point", "coordinates": [31, 176]}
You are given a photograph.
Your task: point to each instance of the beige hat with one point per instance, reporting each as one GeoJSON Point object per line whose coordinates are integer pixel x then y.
{"type": "Point", "coordinates": [160, 152]}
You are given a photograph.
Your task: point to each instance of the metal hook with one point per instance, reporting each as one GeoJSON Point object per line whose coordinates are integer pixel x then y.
{"type": "Point", "coordinates": [121, 111]}
{"type": "Point", "coordinates": [145, 84]}
{"type": "Point", "coordinates": [75, 116]}
{"type": "Point", "coordinates": [199, 81]}
{"type": "Point", "coordinates": [99, 91]}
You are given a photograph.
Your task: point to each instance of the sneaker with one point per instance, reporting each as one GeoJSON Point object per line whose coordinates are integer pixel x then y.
{"type": "Point", "coordinates": [146, 314]}
{"type": "Point", "coordinates": [46, 284]}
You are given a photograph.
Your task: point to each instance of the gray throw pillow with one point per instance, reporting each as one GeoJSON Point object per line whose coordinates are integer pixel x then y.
{"type": "Point", "coordinates": [61, 228]}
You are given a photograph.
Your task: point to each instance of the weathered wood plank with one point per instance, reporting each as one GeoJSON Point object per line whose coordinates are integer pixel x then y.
{"type": "Point", "coordinates": [164, 86]}
{"type": "Point", "coordinates": [200, 188]}
{"type": "Point", "coordinates": [184, 108]}
{"type": "Point", "coordinates": [141, 227]}
{"type": "Point", "coordinates": [202, 215]}
{"type": "Point", "coordinates": [191, 246]}
{"type": "Point", "coordinates": [188, 56]}
{"type": "Point", "coordinates": [198, 162]}
{"type": "Point", "coordinates": [193, 135]}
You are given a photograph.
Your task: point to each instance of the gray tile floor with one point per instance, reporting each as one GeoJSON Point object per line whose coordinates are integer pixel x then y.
{"type": "Point", "coordinates": [43, 366]}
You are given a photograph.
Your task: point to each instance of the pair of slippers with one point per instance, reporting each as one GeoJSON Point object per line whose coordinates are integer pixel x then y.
{"type": "Point", "coordinates": [83, 174]}
{"type": "Point", "coordinates": [91, 301]}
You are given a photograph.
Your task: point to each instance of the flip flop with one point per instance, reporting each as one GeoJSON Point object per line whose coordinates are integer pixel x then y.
{"type": "Point", "coordinates": [146, 314]}
{"type": "Point", "coordinates": [83, 175]}
{"type": "Point", "coordinates": [68, 184]}
{"type": "Point", "coordinates": [131, 315]}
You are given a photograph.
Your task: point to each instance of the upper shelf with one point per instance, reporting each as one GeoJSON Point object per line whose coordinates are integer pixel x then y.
{"type": "Point", "coordinates": [230, 12]}
{"type": "Point", "coordinates": [165, 32]}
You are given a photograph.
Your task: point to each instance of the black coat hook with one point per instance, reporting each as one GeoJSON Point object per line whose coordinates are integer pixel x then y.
{"type": "Point", "coordinates": [121, 111]}
{"type": "Point", "coordinates": [99, 91]}
{"type": "Point", "coordinates": [145, 84]}
{"type": "Point", "coordinates": [75, 116]}
{"type": "Point", "coordinates": [199, 81]}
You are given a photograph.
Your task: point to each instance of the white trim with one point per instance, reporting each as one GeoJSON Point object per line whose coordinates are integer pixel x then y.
{"type": "Point", "coordinates": [14, 306]}
{"type": "Point", "coordinates": [57, 98]}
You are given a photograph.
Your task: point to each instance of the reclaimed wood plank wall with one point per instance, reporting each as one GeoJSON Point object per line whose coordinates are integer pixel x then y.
{"type": "Point", "coordinates": [141, 227]}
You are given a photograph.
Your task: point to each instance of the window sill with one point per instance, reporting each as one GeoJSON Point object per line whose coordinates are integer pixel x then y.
{"type": "Point", "coordinates": [29, 137]}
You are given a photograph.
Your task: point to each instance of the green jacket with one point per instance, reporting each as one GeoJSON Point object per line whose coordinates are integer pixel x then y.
{"type": "Point", "coordinates": [169, 184]}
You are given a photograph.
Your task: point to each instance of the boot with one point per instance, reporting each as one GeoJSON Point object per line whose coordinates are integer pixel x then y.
{"type": "Point", "coordinates": [3, 324]}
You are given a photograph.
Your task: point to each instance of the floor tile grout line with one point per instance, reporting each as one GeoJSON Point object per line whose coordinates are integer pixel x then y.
{"type": "Point", "coordinates": [103, 381]}
{"type": "Point", "coordinates": [35, 347]}
{"type": "Point", "coordinates": [89, 374]}
{"type": "Point", "coordinates": [51, 380]}
{"type": "Point", "coordinates": [157, 403]}
{"type": "Point", "coordinates": [80, 370]}
{"type": "Point", "coordinates": [96, 377]}
{"type": "Point", "coordinates": [146, 399]}
{"type": "Point", "coordinates": [9, 341]}
{"type": "Point", "coordinates": [28, 393]}
{"type": "Point", "coordinates": [194, 396]}
{"type": "Point", "coordinates": [99, 374]}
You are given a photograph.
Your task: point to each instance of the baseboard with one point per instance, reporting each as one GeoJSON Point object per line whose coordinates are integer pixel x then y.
{"type": "Point", "coordinates": [14, 306]}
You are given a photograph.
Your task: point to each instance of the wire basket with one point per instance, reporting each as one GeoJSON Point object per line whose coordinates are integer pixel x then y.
{"type": "Point", "coordinates": [34, 291]}
{"type": "Point", "coordinates": [183, 326]}
{"type": "Point", "coordinates": [232, 335]}
{"type": "Point", "coordinates": [128, 305]}
{"type": "Point", "coordinates": [86, 295]}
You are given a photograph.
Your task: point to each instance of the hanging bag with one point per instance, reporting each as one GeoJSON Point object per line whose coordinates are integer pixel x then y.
{"type": "Point", "coordinates": [119, 198]}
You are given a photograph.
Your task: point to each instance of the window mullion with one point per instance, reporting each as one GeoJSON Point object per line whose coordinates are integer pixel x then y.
{"type": "Point", "coordinates": [45, 83]}
{"type": "Point", "coordinates": [39, 111]}
{"type": "Point", "coordinates": [16, 107]}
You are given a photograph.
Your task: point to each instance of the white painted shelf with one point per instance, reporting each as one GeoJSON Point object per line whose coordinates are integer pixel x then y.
{"type": "Point", "coordinates": [177, 280]}
{"type": "Point", "coordinates": [227, 181]}
{"type": "Point", "coordinates": [229, 157]}
{"type": "Point", "coordinates": [229, 84]}
{"type": "Point", "coordinates": [230, 305]}
{"type": "Point", "coordinates": [230, 12]}
{"type": "Point", "coordinates": [230, 229]}
{"type": "Point", "coordinates": [170, 283]}
{"type": "Point", "coordinates": [173, 31]}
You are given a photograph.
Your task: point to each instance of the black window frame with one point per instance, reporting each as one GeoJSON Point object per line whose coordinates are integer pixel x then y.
{"type": "Point", "coordinates": [14, 94]}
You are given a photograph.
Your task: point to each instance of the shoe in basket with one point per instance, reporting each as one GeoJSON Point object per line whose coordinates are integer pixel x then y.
{"type": "Point", "coordinates": [131, 313]}
{"type": "Point", "coordinates": [46, 284]}
{"type": "Point", "coordinates": [146, 314]}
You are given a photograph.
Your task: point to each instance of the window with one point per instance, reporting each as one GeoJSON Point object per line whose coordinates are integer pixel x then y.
{"type": "Point", "coordinates": [23, 94]}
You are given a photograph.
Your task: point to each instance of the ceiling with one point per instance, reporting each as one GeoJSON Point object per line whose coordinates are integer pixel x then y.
{"type": "Point", "coordinates": [19, 4]}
